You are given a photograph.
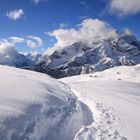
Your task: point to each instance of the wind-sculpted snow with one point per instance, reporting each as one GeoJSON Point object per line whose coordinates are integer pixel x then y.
{"type": "Point", "coordinates": [34, 106]}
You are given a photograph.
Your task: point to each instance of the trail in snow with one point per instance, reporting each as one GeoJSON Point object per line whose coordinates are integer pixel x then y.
{"type": "Point", "coordinates": [105, 125]}
{"type": "Point", "coordinates": [113, 96]}
{"type": "Point", "coordinates": [34, 106]}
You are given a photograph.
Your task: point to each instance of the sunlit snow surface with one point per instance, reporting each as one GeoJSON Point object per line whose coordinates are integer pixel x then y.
{"type": "Point", "coordinates": [34, 106]}
{"type": "Point", "coordinates": [100, 106]}
{"type": "Point", "coordinates": [114, 99]}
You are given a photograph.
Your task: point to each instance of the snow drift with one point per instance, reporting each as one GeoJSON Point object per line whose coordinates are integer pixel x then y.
{"type": "Point", "coordinates": [34, 106]}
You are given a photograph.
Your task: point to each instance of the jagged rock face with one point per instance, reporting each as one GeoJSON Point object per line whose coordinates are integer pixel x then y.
{"type": "Point", "coordinates": [81, 58]}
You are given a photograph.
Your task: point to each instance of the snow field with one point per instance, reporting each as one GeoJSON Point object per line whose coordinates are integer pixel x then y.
{"type": "Point", "coordinates": [113, 96]}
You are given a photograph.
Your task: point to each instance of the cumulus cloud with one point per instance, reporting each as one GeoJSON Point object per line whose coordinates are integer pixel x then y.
{"type": "Point", "coordinates": [7, 50]}
{"type": "Point", "coordinates": [34, 42]}
{"type": "Point", "coordinates": [15, 14]}
{"type": "Point", "coordinates": [9, 55]}
{"type": "Point", "coordinates": [124, 7]}
{"type": "Point", "coordinates": [89, 31]}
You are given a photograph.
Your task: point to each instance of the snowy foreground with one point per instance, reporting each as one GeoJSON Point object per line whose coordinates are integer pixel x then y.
{"type": "Point", "coordinates": [34, 106]}
{"type": "Point", "coordinates": [113, 96]}
{"type": "Point", "coordinates": [100, 106]}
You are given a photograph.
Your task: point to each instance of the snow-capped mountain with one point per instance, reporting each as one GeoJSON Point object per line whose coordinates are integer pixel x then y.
{"type": "Point", "coordinates": [10, 56]}
{"type": "Point", "coordinates": [81, 58]}
{"type": "Point", "coordinates": [37, 57]}
{"type": "Point", "coordinates": [78, 58]}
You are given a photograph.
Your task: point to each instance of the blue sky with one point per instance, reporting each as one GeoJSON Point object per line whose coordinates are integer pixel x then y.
{"type": "Point", "coordinates": [40, 16]}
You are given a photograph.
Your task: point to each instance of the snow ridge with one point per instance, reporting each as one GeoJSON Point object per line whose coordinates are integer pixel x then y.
{"type": "Point", "coordinates": [34, 106]}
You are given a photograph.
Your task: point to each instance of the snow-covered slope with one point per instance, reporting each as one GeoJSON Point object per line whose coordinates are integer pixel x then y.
{"type": "Point", "coordinates": [114, 99]}
{"type": "Point", "coordinates": [82, 58]}
{"type": "Point", "coordinates": [34, 106]}
{"type": "Point", "coordinates": [10, 56]}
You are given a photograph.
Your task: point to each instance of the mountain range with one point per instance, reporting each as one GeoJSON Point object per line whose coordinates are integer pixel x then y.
{"type": "Point", "coordinates": [83, 58]}
{"type": "Point", "coordinates": [78, 58]}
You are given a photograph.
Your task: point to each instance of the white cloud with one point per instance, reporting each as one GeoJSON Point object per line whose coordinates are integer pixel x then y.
{"type": "Point", "coordinates": [89, 31]}
{"type": "Point", "coordinates": [4, 44]}
{"type": "Point", "coordinates": [15, 14]}
{"type": "Point", "coordinates": [37, 1]}
{"type": "Point", "coordinates": [9, 55]}
{"type": "Point", "coordinates": [7, 50]}
{"type": "Point", "coordinates": [15, 40]}
{"type": "Point", "coordinates": [11, 41]}
{"type": "Point", "coordinates": [34, 42]}
{"type": "Point", "coordinates": [124, 7]}
{"type": "Point", "coordinates": [30, 41]}
{"type": "Point", "coordinates": [63, 25]}
{"type": "Point", "coordinates": [31, 44]}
